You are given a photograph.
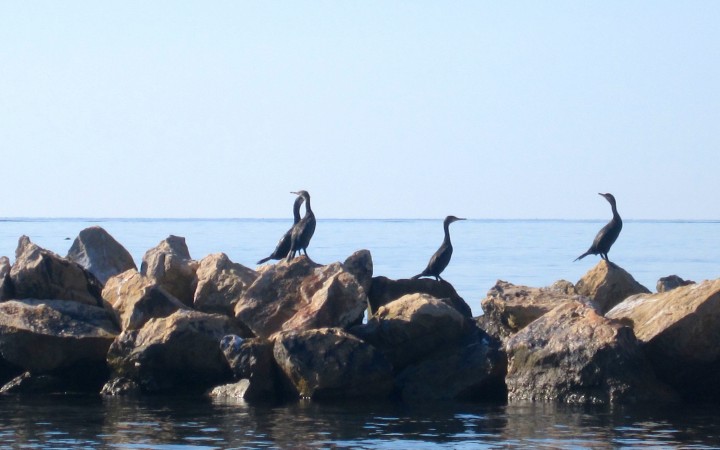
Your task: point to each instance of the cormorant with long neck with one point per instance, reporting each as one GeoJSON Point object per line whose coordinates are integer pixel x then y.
{"type": "Point", "coordinates": [303, 231]}
{"type": "Point", "coordinates": [607, 235]}
{"type": "Point", "coordinates": [283, 245]}
{"type": "Point", "coordinates": [441, 258]}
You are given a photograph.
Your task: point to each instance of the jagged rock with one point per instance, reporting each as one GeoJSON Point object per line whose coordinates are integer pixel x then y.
{"type": "Point", "coordinates": [509, 308]}
{"type": "Point", "coordinates": [573, 354]}
{"type": "Point", "coordinates": [474, 369]}
{"type": "Point", "coordinates": [607, 284]}
{"type": "Point", "coordinates": [360, 265]}
{"type": "Point", "coordinates": [99, 253]}
{"type": "Point", "coordinates": [220, 284]}
{"type": "Point", "coordinates": [237, 390]}
{"type": "Point", "coordinates": [252, 361]}
{"type": "Point", "coordinates": [120, 387]}
{"type": "Point", "coordinates": [6, 290]}
{"type": "Point", "coordinates": [48, 335]}
{"type": "Point", "coordinates": [301, 295]}
{"type": "Point", "coordinates": [671, 282]}
{"type": "Point", "coordinates": [41, 274]}
{"type": "Point", "coordinates": [170, 264]}
{"type": "Point", "coordinates": [412, 328]}
{"type": "Point", "coordinates": [137, 299]}
{"type": "Point", "coordinates": [680, 331]}
{"type": "Point", "coordinates": [180, 352]}
{"type": "Point", "coordinates": [330, 363]}
{"type": "Point", "coordinates": [384, 290]}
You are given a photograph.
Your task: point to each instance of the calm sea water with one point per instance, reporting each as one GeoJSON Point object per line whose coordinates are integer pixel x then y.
{"type": "Point", "coordinates": [534, 253]}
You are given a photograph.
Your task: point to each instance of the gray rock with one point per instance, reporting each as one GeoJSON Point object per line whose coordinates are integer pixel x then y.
{"type": "Point", "coordinates": [360, 265]}
{"type": "Point", "coordinates": [252, 360]}
{"type": "Point", "coordinates": [99, 253]}
{"type": "Point", "coordinates": [671, 282]}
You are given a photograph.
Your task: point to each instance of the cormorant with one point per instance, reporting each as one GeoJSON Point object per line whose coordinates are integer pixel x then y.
{"type": "Point", "coordinates": [441, 258]}
{"type": "Point", "coordinates": [607, 235]}
{"type": "Point", "coordinates": [303, 231]}
{"type": "Point", "coordinates": [283, 245]}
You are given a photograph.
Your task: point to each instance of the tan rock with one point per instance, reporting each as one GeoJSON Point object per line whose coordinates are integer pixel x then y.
{"type": "Point", "coordinates": [170, 264]}
{"type": "Point", "coordinates": [220, 284]}
{"type": "Point", "coordinates": [98, 252]}
{"type": "Point", "coordinates": [607, 284]}
{"type": "Point", "coordinates": [384, 290]}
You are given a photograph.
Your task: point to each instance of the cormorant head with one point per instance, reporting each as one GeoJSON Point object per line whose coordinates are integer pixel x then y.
{"type": "Point", "coordinates": [451, 219]}
{"type": "Point", "coordinates": [608, 197]}
{"type": "Point", "coordinates": [303, 194]}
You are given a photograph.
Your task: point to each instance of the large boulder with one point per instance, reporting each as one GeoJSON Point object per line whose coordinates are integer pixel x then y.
{"type": "Point", "coordinates": [680, 331]}
{"type": "Point", "coordinates": [137, 299]}
{"type": "Point", "coordinates": [301, 295]}
{"type": "Point", "coordinates": [45, 336]}
{"type": "Point", "coordinates": [474, 369]}
{"type": "Point", "coordinates": [412, 328]}
{"type": "Point", "coordinates": [384, 290]}
{"type": "Point", "coordinates": [573, 354]}
{"type": "Point", "coordinates": [508, 308]}
{"type": "Point", "coordinates": [178, 353]}
{"type": "Point", "coordinates": [251, 361]}
{"type": "Point", "coordinates": [330, 363]}
{"type": "Point", "coordinates": [220, 284]}
{"type": "Point", "coordinates": [607, 284]}
{"type": "Point", "coordinates": [41, 274]}
{"type": "Point", "coordinates": [360, 265]}
{"type": "Point", "coordinates": [98, 252]}
{"type": "Point", "coordinates": [171, 265]}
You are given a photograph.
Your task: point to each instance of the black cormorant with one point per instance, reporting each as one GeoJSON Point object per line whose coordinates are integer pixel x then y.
{"type": "Point", "coordinates": [303, 231]}
{"type": "Point", "coordinates": [607, 235]}
{"type": "Point", "coordinates": [441, 258]}
{"type": "Point", "coordinates": [283, 245]}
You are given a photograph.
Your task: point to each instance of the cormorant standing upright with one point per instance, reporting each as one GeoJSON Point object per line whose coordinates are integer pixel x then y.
{"type": "Point", "coordinates": [283, 245]}
{"type": "Point", "coordinates": [303, 231]}
{"type": "Point", "coordinates": [441, 258]}
{"type": "Point", "coordinates": [607, 235]}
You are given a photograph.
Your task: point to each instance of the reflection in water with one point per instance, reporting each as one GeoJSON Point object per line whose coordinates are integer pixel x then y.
{"type": "Point", "coordinates": [168, 422]}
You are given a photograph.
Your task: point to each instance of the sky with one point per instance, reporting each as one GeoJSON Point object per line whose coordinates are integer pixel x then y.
{"type": "Point", "coordinates": [380, 109]}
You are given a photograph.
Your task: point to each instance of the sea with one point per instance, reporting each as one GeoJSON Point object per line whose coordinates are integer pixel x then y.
{"type": "Point", "coordinates": [523, 252]}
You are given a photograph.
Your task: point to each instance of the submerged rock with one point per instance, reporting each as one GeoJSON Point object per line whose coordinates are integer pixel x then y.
{"type": "Point", "coordinates": [572, 354]}
{"type": "Point", "coordinates": [220, 284]}
{"type": "Point", "coordinates": [680, 331]}
{"type": "Point", "coordinates": [252, 361]}
{"type": "Point", "coordinates": [607, 284]}
{"type": "Point", "coordinates": [385, 290]}
{"type": "Point", "coordinates": [170, 264]}
{"type": "Point", "coordinates": [98, 252]}
{"type": "Point", "coordinates": [41, 274]}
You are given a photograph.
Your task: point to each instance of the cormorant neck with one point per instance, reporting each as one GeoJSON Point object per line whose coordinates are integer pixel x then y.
{"type": "Point", "coordinates": [296, 212]}
{"type": "Point", "coordinates": [308, 209]}
{"type": "Point", "coordinates": [446, 227]}
{"type": "Point", "coordinates": [615, 211]}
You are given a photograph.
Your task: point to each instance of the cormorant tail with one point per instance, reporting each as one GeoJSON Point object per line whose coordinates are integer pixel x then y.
{"type": "Point", "coordinates": [583, 255]}
{"type": "Point", "coordinates": [416, 276]}
{"type": "Point", "coordinates": [264, 260]}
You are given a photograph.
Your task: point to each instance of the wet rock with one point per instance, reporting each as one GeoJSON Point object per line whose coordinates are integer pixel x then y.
{"type": "Point", "coordinates": [170, 264]}
{"type": "Point", "coordinates": [573, 354]}
{"type": "Point", "coordinates": [474, 369]}
{"type": "Point", "coordinates": [98, 252]}
{"type": "Point", "coordinates": [238, 390]}
{"type": "Point", "coordinates": [412, 328]}
{"type": "Point", "coordinates": [137, 299]}
{"type": "Point", "coordinates": [607, 284]}
{"type": "Point", "coordinates": [330, 363]}
{"type": "Point", "coordinates": [252, 361]}
{"type": "Point", "coordinates": [48, 335]}
{"type": "Point", "coordinates": [301, 295]}
{"type": "Point", "coordinates": [385, 290]}
{"type": "Point", "coordinates": [178, 353]}
{"type": "Point", "coordinates": [671, 282]}
{"type": "Point", "coordinates": [6, 290]}
{"type": "Point", "coordinates": [28, 383]}
{"type": "Point", "coordinates": [121, 387]}
{"type": "Point", "coordinates": [360, 265]}
{"type": "Point", "coordinates": [41, 274]}
{"type": "Point", "coordinates": [680, 331]}
{"type": "Point", "coordinates": [220, 284]}
{"type": "Point", "coordinates": [509, 308]}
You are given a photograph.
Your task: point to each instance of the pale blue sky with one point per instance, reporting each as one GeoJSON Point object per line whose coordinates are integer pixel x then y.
{"type": "Point", "coordinates": [482, 109]}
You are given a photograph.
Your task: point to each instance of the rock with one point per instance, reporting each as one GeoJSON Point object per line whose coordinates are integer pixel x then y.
{"type": "Point", "coordinates": [170, 264]}
{"type": "Point", "coordinates": [385, 290]}
{"type": "Point", "coordinates": [6, 290]}
{"type": "Point", "coordinates": [412, 328]}
{"type": "Point", "coordinates": [99, 253]}
{"type": "Point", "coordinates": [252, 360]}
{"type": "Point", "coordinates": [137, 299]}
{"type": "Point", "coordinates": [41, 274]}
{"type": "Point", "coordinates": [680, 331]}
{"type": "Point", "coordinates": [220, 284]}
{"type": "Point", "coordinates": [572, 354]}
{"type": "Point", "coordinates": [180, 352]}
{"type": "Point", "coordinates": [28, 383]}
{"type": "Point", "coordinates": [509, 308]}
{"type": "Point", "coordinates": [474, 369]}
{"type": "Point", "coordinates": [360, 265]}
{"type": "Point", "coordinates": [671, 282]}
{"type": "Point", "coordinates": [237, 390]}
{"type": "Point", "coordinates": [330, 363]}
{"type": "Point", "coordinates": [54, 335]}
{"type": "Point", "coordinates": [120, 387]}
{"type": "Point", "coordinates": [301, 295]}
{"type": "Point", "coordinates": [607, 284]}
